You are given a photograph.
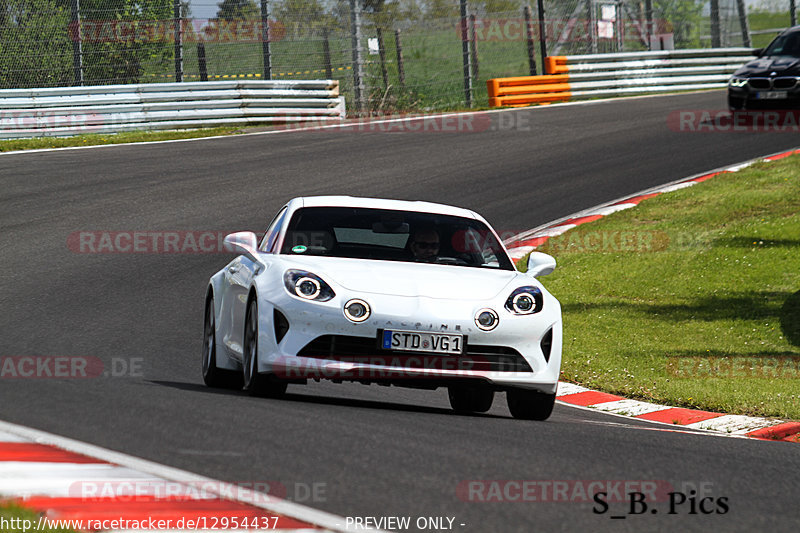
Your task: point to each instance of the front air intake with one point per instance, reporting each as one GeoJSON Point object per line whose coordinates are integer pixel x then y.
{"type": "Point", "coordinates": [547, 344]}
{"type": "Point", "coordinates": [281, 325]}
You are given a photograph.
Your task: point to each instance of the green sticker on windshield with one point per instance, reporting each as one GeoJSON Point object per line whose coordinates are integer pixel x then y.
{"type": "Point", "coordinates": [299, 249]}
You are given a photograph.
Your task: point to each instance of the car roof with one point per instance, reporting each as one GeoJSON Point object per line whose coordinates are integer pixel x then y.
{"type": "Point", "coordinates": [383, 203]}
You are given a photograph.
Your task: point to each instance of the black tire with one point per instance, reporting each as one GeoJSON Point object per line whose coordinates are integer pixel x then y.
{"type": "Point", "coordinates": [466, 399]}
{"type": "Point", "coordinates": [212, 375]}
{"type": "Point", "coordinates": [530, 404]}
{"type": "Point", "coordinates": [735, 104]}
{"type": "Point", "coordinates": [262, 385]}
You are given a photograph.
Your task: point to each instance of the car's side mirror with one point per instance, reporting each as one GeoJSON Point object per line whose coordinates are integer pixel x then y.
{"type": "Point", "coordinates": [243, 242]}
{"type": "Point", "coordinates": [758, 52]}
{"type": "Point", "coordinates": [540, 264]}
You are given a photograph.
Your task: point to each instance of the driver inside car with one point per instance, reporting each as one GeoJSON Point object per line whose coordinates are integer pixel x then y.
{"type": "Point", "coordinates": [424, 244]}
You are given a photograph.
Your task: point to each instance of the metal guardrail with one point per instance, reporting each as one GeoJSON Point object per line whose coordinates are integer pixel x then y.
{"type": "Point", "coordinates": [581, 77]}
{"type": "Point", "coordinates": [115, 108]}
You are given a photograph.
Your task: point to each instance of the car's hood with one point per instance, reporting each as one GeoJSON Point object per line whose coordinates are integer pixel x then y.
{"type": "Point", "coordinates": [765, 66]}
{"type": "Point", "coordinates": [409, 279]}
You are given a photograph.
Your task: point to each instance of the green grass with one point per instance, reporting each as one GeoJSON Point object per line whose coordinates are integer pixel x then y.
{"type": "Point", "coordinates": [126, 137]}
{"type": "Point", "coordinates": [766, 21]}
{"type": "Point", "coordinates": [709, 276]}
{"type": "Point", "coordinates": [14, 517]}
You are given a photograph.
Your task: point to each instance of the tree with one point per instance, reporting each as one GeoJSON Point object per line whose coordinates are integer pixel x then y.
{"type": "Point", "coordinates": [35, 49]}
{"type": "Point", "coordinates": [238, 10]}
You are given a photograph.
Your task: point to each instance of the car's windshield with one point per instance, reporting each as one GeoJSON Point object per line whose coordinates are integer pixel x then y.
{"type": "Point", "coordinates": [787, 44]}
{"type": "Point", "coordinates": [388, 235]}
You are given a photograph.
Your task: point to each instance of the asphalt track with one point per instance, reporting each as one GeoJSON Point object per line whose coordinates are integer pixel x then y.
{"type": "Point", "coordinates": [371, 451]}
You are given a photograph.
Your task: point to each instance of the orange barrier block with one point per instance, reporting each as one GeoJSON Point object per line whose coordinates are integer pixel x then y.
{"type": "Point", "coordinates": [556, 65]}
{"type": "Point", "coordinates": [526, 90]}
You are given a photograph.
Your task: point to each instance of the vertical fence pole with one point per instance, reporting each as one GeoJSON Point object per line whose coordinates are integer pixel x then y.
{"type": "Point", "coordinates": [542, 34]}
{"type": "Point", "coordinates": [401, 71]}
{"type": "Point", "coordinates": [648, 17]}
{"type": "Point", "coordinates": [382, 56]}
{"type": "Point", "coordinates": [526, 12]}
{"type": "Point", "coordinates": [358, 59]}
{"type": "Point", "coordinates": [178, 41]}
{"type": "Point", "coordinates": [592, 29]}
{"type": "Point", "coordinates": [716, 42]}
{"type": "Point", "coordinates": [793, 12]}
{"type": "Point", "coordinates": [77, 44]}
{"type": "Point", "coordinates": [326, 53]}
{"type": "Point", "coordinates": [465, 54]}
{"type": "Point", "coordinates": [266, 52]}
{"type": "Point", "coordinates": [742, 8]}
{"type": "Point", "coordinates": [473, 38]}
{"type": "Point", "coordinates": [201, 61]}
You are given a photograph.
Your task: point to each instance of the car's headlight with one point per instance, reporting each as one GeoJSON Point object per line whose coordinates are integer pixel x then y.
{"type": "Point", "coordinates": [486, 319]}
{"type": "Point", "coordinates": [307, 286]}
{"type": "Point", "coordinates": [525, 301]}
{"type": "Point", "coordinates": [357, 310]}
{"type": "Point", "coordinates": [737, 82]}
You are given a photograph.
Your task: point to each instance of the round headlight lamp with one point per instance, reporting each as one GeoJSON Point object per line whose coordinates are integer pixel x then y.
{"type": "Point", "coordinates": [486, 319]}
{"type": "Point", "coordinates": [356, 310]}
{"type": "Point", "coordinates": [307, 288]}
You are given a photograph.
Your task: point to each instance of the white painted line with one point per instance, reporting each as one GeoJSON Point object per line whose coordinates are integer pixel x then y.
{"type": "Point", "coordinates": [224, 490]}
{"type": "Point", "coordinates": [734, 424]}
{"type": "Point", "coordinates": [630, 407]}
{"type": "Point", "coordinates": [26, 479]}
{"type": "Point", "coordinates": [736, 168]}
{"type": "Point", "coordinates": [678, 186]}
{"type": "Point", "coordinates": [554, 231]}
{"type": "Point", "coordinates": [565, 389]}
{"type": "Point", "coordinates": [603, 211]}
{"type": "Point", "coordinates": [10, 437]}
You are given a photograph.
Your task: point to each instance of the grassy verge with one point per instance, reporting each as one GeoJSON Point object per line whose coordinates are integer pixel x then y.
{"type": "Point", "coordinates": [118, 138]}
{"type": "Point", "coordinates": [692, 298]}
{"type": "Point", "coordinates": [22, 520]}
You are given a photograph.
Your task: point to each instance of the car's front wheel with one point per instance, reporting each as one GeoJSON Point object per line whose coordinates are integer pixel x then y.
{"type": "Point", "coordinates": [735, 104]}
{"type": "Point", "coordinates": [467, 399]}
{"type": "Point", "coordinates": [214, 376]}
{"type": "Point", "coordinates": [264, 385]}
{"type": "Point", "coordinates": [530, 404]}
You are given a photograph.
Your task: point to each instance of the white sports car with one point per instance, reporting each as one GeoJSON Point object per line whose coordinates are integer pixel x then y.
{"type": "Point", "coordinates": [390, 292]}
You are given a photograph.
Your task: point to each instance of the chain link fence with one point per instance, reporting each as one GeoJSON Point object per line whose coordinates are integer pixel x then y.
{"type": "Point", "coordinates": [388, 55]}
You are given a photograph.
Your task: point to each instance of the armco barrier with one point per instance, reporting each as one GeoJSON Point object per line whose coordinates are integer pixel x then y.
{"type": "Point", "coordinates": [114, 108]}
{"type": "Point", "coordinates": [603, 75]}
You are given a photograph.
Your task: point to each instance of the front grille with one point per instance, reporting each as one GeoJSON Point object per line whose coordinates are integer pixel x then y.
{"type": "Point", "coordinates": [366, 350]}
{"type": "Point", "coordinates": [784, 83]}
{"type": "Point", "coordinates": [759, 83]}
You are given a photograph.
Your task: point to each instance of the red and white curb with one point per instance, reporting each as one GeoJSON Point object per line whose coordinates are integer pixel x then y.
{"type": "Point", "coordinates": [762, 428]}
{"type": "Point", "coordinates": [52, 476]}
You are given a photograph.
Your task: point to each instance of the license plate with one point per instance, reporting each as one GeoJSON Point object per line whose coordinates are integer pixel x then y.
{"type": "Point", "coordinates": [773, 95]}
{"type": "Point", "coordinates": [422, 341]}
